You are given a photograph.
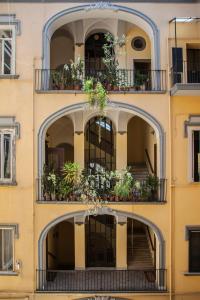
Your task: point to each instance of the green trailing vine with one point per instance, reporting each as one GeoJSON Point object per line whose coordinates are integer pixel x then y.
{"type": "Point", "coordinates": [97, 94]}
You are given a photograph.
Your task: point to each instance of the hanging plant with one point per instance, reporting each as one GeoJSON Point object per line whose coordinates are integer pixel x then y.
{"type": "Point", "coordinates": [97, 94]}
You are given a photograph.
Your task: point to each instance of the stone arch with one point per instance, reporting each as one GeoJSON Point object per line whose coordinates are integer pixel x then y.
{"type": "Point", "coordinates": [56, 20]}
{"type": "Point", "coordinates": [119, 215]}
{"type": "Point", "coordinates": [80, 107]}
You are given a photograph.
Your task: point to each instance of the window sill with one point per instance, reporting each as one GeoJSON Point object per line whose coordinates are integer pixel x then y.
{"type": "Point", "coordinates": [8, 273]}
{"type": "Point", "coordinates": [9, 76]}
{"type": "Point", "coordinates": [11, 183]}
{"type": "Point", "coordinates": [191, 273]}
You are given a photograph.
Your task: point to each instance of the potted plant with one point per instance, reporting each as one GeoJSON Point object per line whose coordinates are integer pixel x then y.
{"type": "Point", "coordinates": [124, 185]}
{"type": "Point", "coordinates": [152, 182]}
{"type": "Point", "coordinates": [51, 185]}
{"type": "Point", "coordinates": [111, 63]}
{"type": "Point", "coordinates": [140, 80]}
{"type": "Point", "coordinates": [68, 77]}
{"type": "Point", "coordinates": [57, 79]}
{"type": "Point", "coordinates": [63, 189]}
{"type": "Point", "coordinates": [77, 73]}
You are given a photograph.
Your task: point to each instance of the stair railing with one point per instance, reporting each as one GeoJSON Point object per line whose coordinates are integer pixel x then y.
{"type": "Point", "coordinates": [148, 162]}
{"type": "Point", "coordinates": [151, 246]}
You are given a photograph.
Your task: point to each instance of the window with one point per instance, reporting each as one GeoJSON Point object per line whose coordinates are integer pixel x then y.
{"type": "Point", "coordinates": [6, 249]}
{"type": "Point", "coordinates": [7, 65]}
{"type": "Point", "coordinates": [194, 250]}
{"type": "Point", "coordinates": [6, 145]}
{"type": "Point", "coordinates": [196, 155]}
{"type": "Point", "coordinates": [138, 43]}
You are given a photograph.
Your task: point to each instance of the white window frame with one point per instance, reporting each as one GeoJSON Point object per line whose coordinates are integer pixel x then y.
{"type": "Point", "coordinates": [12, 134]}
{"type": "Point", "coordinates": [13, 42]}
{"type": "Point", "coordinates": [13, 250]}
{"type": "Point", "coordinates": [191, 129]}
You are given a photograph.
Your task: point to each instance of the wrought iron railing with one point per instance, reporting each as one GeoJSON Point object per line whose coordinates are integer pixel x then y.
{"type": "Point", "coordinates": [144, 193]}
{"type": "Point", "coordinates": [184, 73]}
{"type": "Point", "coordinates": [102, 280]}
{"type": "Point", "coordinates": [121, 80]}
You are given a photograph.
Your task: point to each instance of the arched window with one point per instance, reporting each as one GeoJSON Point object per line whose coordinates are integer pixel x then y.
{"type": "Point", "coordinates": [99, 145]}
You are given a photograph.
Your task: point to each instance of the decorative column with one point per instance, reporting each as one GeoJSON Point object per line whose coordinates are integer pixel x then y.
{"type": "Point", "coordinates": [79, 51]}
{"type": "Point", "coordinates": [79, 238]}
{"type": "Point", "coordinates": [79, 139]}
{"type": "Point", "coordinates": [121, 243]}
{"type": "Point", "coordinates": [79, 148]}
{"type": "Point", "coordinates": [121, 150]}
{"type": "Point", "coordinates": [78, 30]}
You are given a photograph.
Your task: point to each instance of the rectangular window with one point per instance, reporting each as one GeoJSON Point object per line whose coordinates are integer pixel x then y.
{"type": "Point", "coordinates": [6, 51]}
{"type": "Point", "coordinates": [196, 155]}
{"type": "Point", "coordinates": [6, 249]}
{"type": "Point", "coordinates": [194, 251]}
{"type": "Point", "coordinates": [6, 140]}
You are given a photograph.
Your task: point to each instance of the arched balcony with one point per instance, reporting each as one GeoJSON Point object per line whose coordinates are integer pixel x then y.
{"type": "Point", "coordinates": [109, 251]}
{"type": "Point", "coordinates": [112, 158]}
{"type": "Point", "coordinates": [73, 39]}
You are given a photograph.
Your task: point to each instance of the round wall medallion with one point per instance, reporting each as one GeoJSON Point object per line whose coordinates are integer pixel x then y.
{"type": "Point", "coordinates": [138, 43]}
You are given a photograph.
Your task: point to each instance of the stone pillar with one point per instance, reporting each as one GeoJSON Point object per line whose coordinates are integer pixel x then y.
{"type": "Point", "coordinates": [79, 51]}
{"type": "Point", "coordinates": [79, 148]}
{"type": "Point", "coordinates": [79, 238]}
{"type": "Point", "coordinates": [121, 150]}
{"type": "Point", "coordinates": [121, 243]}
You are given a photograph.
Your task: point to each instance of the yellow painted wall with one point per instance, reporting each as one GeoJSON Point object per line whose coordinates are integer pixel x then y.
{"type": "Point", "coordinates": [18, 203]}
{"type": "Point", "coordinates": [185, 195]}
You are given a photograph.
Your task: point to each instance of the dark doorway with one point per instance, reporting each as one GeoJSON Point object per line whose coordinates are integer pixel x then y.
{"type": "Point", "coordinates": [142, 65]}
{"type": "Point", "coordinates": [60, 246]}
{"type": "Point", "coordinates": [99, 145]}
{"type": "Point", "coordinates": [142, 72]}
{"type": "Point", "coordinates": [100, 241]}
{"type": "Point", "coordinates": [94, 53]}
{"type": "Point", "coordinates": [193, 65]}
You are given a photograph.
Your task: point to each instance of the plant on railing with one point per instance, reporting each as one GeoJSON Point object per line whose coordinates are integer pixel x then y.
{"type": "Point", "coordinates": [124, 184]}
{"type": "Point", "coordinates": [99, 187]}
{"type": "Point", "coordinates": [140, 80]}
{"type": "Point", "coordinates": [57, 78]}
{"type": "Point", "coordinates": [110, 61]}
{"type": "Point", "coordinates": [147, 189]}
{"type": "Point", "coordinates": [71, 173]}
{"type": "Point", "coordinates": [49, 184]}
{"type": "Point", "coordinates": [77, 70]}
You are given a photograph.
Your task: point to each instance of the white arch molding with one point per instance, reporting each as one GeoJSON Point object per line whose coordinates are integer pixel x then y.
{"type": "Point", "coordinates": [160, 135]}
{"type": "Point", "coordinates": [105, 210]}
{"type": "Point", "coordinates": [88, 11]}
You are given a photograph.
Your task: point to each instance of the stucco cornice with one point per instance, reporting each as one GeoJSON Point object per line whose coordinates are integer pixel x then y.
{"type": "Point", "coordinates": [10, 19]}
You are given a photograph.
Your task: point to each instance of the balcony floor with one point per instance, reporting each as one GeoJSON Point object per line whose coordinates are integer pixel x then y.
{"type": "Point", "coordinates": [100, 280]}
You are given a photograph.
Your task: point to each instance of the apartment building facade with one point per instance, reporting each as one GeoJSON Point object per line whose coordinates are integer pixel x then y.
{"type": "Point", "coordinates": [93, 239]}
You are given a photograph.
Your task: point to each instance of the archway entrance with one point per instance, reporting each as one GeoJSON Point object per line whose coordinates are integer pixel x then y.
{"type": "Point", "coordinates": [100, 232]}
{"type": "Point", "coordinates": [141, 246]}
{"type": "Point", "coordinates": [99, 145]}
{"type": "Point", "coordinates": [94, 53]}
{"type": "Point", "coordinates": [60, 246]}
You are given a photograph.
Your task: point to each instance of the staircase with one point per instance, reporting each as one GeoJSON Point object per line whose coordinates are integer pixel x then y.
{"type": "Point", "coordinates": [139, 171]}
{"type": "Point", "coordinates": [139, 255]}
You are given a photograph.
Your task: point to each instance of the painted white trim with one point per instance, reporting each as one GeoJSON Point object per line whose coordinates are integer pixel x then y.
{"type": "Point", "coordinates": [12, 136]}
{"type": "Point", "coordinates": [13, 247]}
{"type": "Point", "coordinates": [13, 51]}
